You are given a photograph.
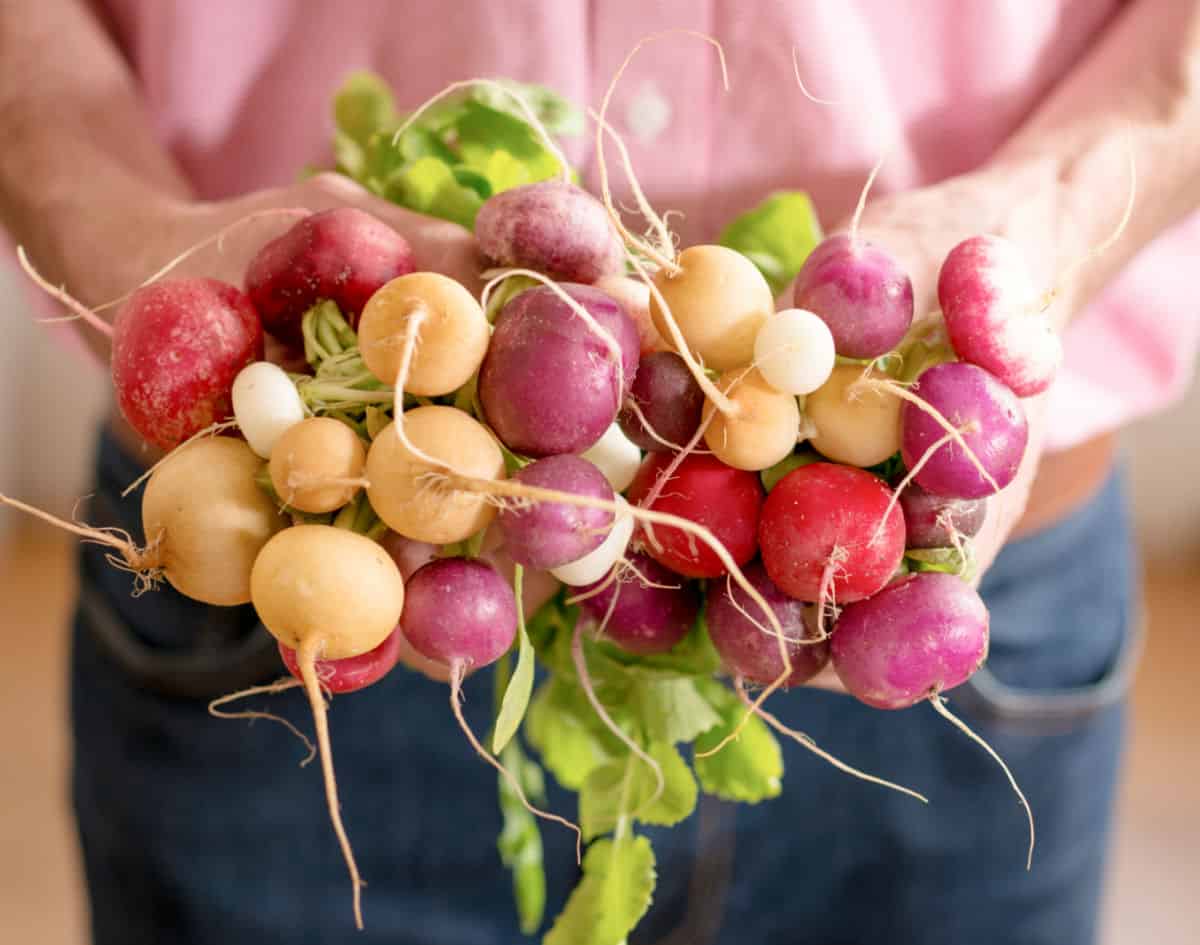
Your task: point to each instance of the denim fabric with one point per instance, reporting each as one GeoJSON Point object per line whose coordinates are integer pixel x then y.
{"type": "Point", "coordinates": [198, 831]}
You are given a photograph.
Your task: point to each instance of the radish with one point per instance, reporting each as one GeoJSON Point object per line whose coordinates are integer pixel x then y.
{"type": "Point", "coordinates": [706, 491]}
{"type": "Point", "coordinates": [546, 534]}
{"type": "Point", "coordinates": [552, 226]}
{"type": "Point", "coordinates": [830, 533]}
{"type": "Point", "coordinates": [794, 351]}
{"type": "Point", "coordinates": [600, 561]}
{"type": "Point", "coordinates": [933, 521]}
{"type": "Point", "coordinates": [548, 384]}
{"type": "Point", "coordinates": [918, 638]}
{"type": "Point", "coordinates": [343, 255]}
{"type": "Point", "coordinates": [664, 406]}
{"type": "Point", "coordinates": [858, 426]}
{"type": "Point", "coordinates": [448, 330]}
{"type": "Point", "coordinates": [317, 465]}
{"type": "Point", "coordinates": [615, 456]}
{"type": "Point", "coordinates": [988, 418]}
{"type": "Point", "coordinates": [634, 297]}
{"type": "Point", "coordinates": [400, 492]}
{"type": "Point", "coordinates": [329, 594]}
{"type": "Point", "coordinates": [760, 431]}
{"type": "Point", "coordinates": [645, 609]}
{"type": "Point", "coordinates": [265, 404]}
{"type": "Point", "coordinates": [353, 672]}
{"type": "Point", "coordinates": [995, 315]}
{"type": "Point", "coordinates": [178, 345]}
{"type": "Point", "coordinates": [860, 291]}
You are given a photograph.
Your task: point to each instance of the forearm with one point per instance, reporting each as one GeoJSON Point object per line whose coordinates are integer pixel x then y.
{"type": "Point", "coordinates": [80, 167]}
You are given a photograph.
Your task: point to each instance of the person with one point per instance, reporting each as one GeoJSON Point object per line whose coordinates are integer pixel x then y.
{"type": "Point", "coordinates": [134, 129]}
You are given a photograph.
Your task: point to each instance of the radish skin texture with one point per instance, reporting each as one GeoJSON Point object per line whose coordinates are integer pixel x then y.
{"type": "Point", "coordinates": [597, 563]}
{"type": "Point", "coordinates": [615, 456]}
{"type": "Point", "coordinates": [823, 516]}
{"type": "Point", "coordinates": [548, 384]}
{"type": "Point", "coordinates": [933, 521]}
{"type": "Point", "coordinates": [745, 641]}
{"type": "Point", "coordinates": [412, 506]}
{"type": "Point", "coordinates": [634, 296]}
{"type": "Point", "coordinates": [654, 608]}
{"type": "Point", "coordinates": [265, 404]}
{"type": "Point", "coordinates": [669, 399]}
{"type": "Point", "coordinates": [994, 314]}
{"type": "Point", "coordinates": [858, 426]}
{"type": "Point", "coordinates": [317, 581]}
{"type": "Point", "coordinates": [762, 431]}
{"type": "Point", "coordinates": [452, 334]}
{"type": "Point", "coordinates": [719, 301]}
{"type": "Point", "coordinates": [353, 672]}
{"type": "Point", "coordinates": [794, 351]}
{"type": "Point", "coordinates": [317, 465]}
{"type": "Point", "coordinates": [178, 346]}
{"type": "Point", "coordinates": [460, 612]}
{"type": "Point", "coordinates": [990, 418]}
{"type": "Point", "coordinates": [552, 227]}
{"type": "Point", "coordinates": [704, 490]}
{"type": "Point", "coordinates": [204, 510]}
{"type": "Point", "coordinates": [342, 255]}
{"type": "Point", "coordinates": [921, 636]}
{"type": "Point", "coordinates": [859, 290]}
{"type": "Point", "coordinates": [549, 534]}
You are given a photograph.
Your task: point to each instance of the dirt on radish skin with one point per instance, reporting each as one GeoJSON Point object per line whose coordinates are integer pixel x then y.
{"type": "Point", "coordinates": [646, 609]}
{"type": "Point", "coordinates": [178, 346]}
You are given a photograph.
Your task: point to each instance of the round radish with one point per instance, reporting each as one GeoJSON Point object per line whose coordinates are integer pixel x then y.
{"type": "Point", "coordinates": [317, 465]}
{"type": "Point", "coordinates": [995, 316]}
{"type": "Point", "coordinates": [634, 296]}
{"type": "Point", "coordinates": [820, 534]}
{"type": "Point", "coordinates": [668, 400]}
{"type": "Point", "coordinates": [598, 562]}
{"type": "Point", "coordinates": [615, 456]}
{"type": "Point", "coordinates": [987, 415]}
{"type": "Point", "coordinates": [178, 346]}
{"type": "Point", "coordinates": [460, 613]}
{"type": "Point", "coordinates": [265, 404]}
{"type": "Point", "coordinates": [549, 384]}
{"type": "Point", "coordinates": [853, 424]}
{"type": "Point", "coordinates": [859, 291]}
{"type": "Point", "coordinates": [794, 351]}
{"type": "Point", "coordinates": [552, 227]}
{"type": "Point", "coordinates": [550, 534]}
{"type": "Point", "coordinates": [762, 431]}
{"type": "Point", "coordinates": [353, 672]}
{"type": "Point", "coordinates": [342, 255]}
{"type": "Point", "coordinates": [703, 490]}
{"type": "Point", "coordinates": [647, 609]}
{"type": "Point", "coordinates": [746, 643]}
{"type": "Point", "coordinates": [933, 521]}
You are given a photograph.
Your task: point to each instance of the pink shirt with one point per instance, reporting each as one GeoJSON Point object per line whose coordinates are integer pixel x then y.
{"type": "Point", "coordinates": [240, 93]}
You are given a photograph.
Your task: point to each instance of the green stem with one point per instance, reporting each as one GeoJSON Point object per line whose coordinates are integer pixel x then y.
{"type": "Point", "coordinates": [335, 393]}
{"type": "Point", "coordinates": [623, 818]}
{"type": "Point", "coordinates": [328, 337]}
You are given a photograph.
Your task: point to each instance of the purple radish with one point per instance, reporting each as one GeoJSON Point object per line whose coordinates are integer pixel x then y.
{"type": "Point", "coordinates": [934, 521]}
{"type": "Point", "coordinates": [654, 609]}
{"type": "Point", "coordinates": [989, 419]}
{"type": "Point", "coordinates": [742, 637]}
{"type": "Point", "coordinates": [552, 227]}
{"type": "Point", "coordinates": [550, 534]}
{"type": "Point", "coordinates": [860, 291]}
{"type": "Point", "coordinates": [913, 641]}
{"type": "Point", "coordinates": [995, 315]}
{"type": "Point", "coordinates": [669, 400]}
{"type": "Point", "coordinates": [548, 384]}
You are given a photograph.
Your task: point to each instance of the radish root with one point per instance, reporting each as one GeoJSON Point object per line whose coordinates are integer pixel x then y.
{"type": "Point", "coordinates": [215, 710]}
{"type": "Point", "coordinates": [907, 480]}
{"type": "Point", "coordinates": [62, 296]}
{"type": "Point", "coordinates": [211, 430]}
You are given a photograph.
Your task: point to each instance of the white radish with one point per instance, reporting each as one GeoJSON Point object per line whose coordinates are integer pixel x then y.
{"type": "Point", "coordinates": [265, 404]}
{"type": "Point", "coordinates": [598, 562]}
{"type": "Point", "coordinates": [615, 456]}
{"type": "Point", "coordinates": [794, 351]}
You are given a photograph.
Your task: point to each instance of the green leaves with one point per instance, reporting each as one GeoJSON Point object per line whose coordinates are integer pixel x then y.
{"type": "Point", "coordinates": [776, 236]}
{"type": "Point", "coordinates": [562, 727]}
{"type": "Point", "coordinates": [614, 894]}
{"type": "Point", "coordinates": [628, 787]}
{"type": "Point", "coordinates": [945, 560]}
{"type": "Point", "coordinates": [672, 710]}
{"type": "Point", "coordinates": [520, 685]}
{"type": "Point", "coordinates": [520, 842]}
{"type": "Point", "coordinates": [748, 769]}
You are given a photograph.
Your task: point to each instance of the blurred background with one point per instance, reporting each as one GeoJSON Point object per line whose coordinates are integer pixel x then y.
{"type": "Point", "coordinates": [51, 396]}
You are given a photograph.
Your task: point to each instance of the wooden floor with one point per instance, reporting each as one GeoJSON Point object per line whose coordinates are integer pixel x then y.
{"type": "Point", "coordinates": [1155, 889]}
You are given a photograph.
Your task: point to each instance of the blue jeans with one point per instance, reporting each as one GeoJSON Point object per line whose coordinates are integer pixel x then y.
{"type": "Point", "coordinates": [198, 831]}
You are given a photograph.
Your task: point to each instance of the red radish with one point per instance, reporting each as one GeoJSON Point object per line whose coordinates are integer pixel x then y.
{"type": "Point", "coordinates": [859, 290]}
{"type": "Point", "coordinates": [664, 404]}
{"type": "Point", "coordinates": [553, 227]}
{"type": "Point", "coordinates": [353, 672]}
{"type": "Point", "coordinates": [821, 535]}
{"type": "Point", "coordinates": [178, 346]}
{"type": "Point", "coordinates": [548, 534]}
{"type": "Point", "coordinates": [933, 521]}
{"type": "Point", "coordinates": [703, 490]}
{"type": "Point", "coordinates": [995, 315]}
{"type": "Point", "coordinates": [748, 647]}
{"type": "Point", "coordinates": [988, 417]}
{"type": "Point", "coordinates": [549, 384]}
{"type": "Point", "coordinates": [645, 609]}
{"type": "Point", "coordinates": [342, 255]}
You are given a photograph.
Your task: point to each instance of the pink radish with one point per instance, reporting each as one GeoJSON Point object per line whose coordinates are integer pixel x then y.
{"type": "Point", "coordinates": [644, 609]}
{"type": "Point", "coordinates": [933, 521]}
{"type": "Point", "coordinates": [178, 346]}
